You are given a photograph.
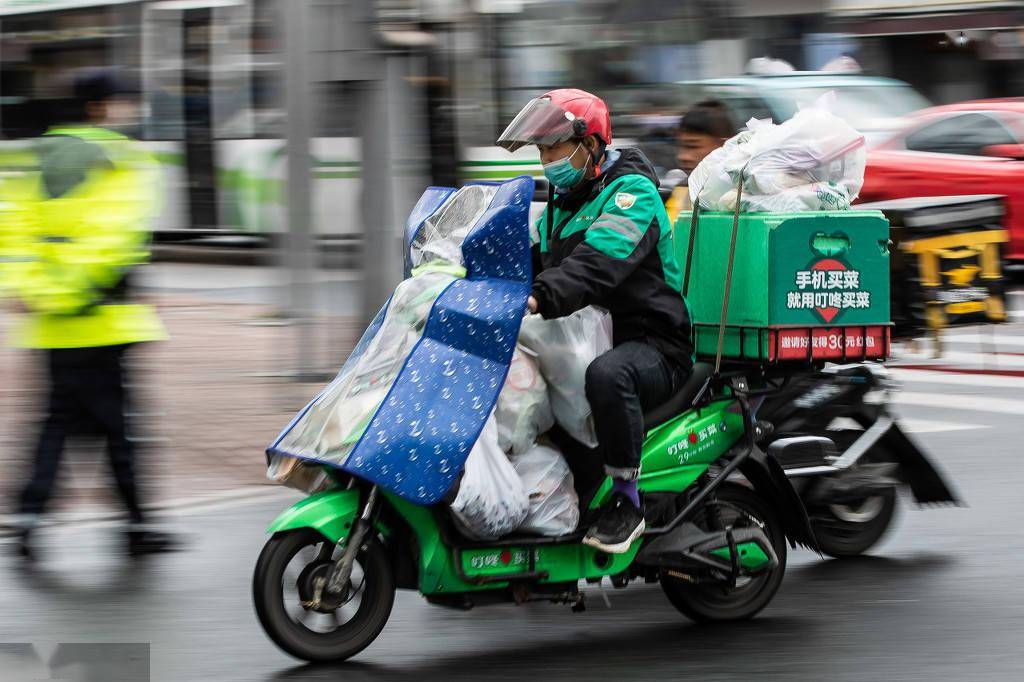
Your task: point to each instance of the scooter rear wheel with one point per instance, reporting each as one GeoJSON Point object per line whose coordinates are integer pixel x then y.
{"type": "Point", "coordinates": [852, 529]}
{"type": "Point", "coordinates": [336, 629]}
{"type": "Point", "coordinates": [715, 602]}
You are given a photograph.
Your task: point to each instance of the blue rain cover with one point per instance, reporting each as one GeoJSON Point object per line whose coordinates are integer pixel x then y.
{"type": "Point", "coordinates": [420, 436]}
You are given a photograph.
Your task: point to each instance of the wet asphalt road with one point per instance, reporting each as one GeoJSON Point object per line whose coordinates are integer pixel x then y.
{"type": "Point", "coordinates": [940, 599]}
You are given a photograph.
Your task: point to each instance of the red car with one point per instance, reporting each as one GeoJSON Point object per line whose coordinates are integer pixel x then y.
{"type": "Point", "coordinates": [967, 148]}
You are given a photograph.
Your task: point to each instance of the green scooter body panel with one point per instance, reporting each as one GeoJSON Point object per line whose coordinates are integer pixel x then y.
{"type": "Point", "coordinates": [680, 450]}
{"type": "Point", "coordinates": [330, 512]}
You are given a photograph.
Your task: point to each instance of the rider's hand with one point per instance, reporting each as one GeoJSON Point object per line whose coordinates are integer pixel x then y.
{"type": "Point", "coordinates": [531, 304]}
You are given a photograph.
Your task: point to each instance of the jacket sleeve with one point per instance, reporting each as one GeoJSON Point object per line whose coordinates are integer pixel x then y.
{"type": "Point", "coordinates": [616, 243]}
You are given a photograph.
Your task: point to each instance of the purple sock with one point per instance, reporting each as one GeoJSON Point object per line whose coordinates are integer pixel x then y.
{"type": "Point", "coordinates": [627, 488]}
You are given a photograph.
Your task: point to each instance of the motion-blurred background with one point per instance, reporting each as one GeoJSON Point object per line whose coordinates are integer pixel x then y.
{"type": "Point", "coordinates": [294, 136]}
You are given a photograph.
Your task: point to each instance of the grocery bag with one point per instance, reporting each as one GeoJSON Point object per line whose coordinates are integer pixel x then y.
{"type": "Point", "coordinates": [491, 501]}
{"type": "Point", "coordinates": [565, 347]}
{"type": "Point", "coordinates": [815, 161]}
{"type": "Point", "coordinates": [547, 479]}
{"type": "Point", "coordinates": [523, 411]}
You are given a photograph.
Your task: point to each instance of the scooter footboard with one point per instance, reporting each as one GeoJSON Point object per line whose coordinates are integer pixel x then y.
{"type": "Point", "coordinates": [330, 513]}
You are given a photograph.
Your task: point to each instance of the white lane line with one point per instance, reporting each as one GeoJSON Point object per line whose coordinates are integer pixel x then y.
{"type": "Point", "coordinates": [168, 510]}
{"type": "Point", "coordinates": [958, 358]}
{"type": "Point", "coordinates": [930, 426]}
{"type": "Point", "coordinates": [974, 403]}
{"type": "Point", "coordinates": [926, 376]}
{"type": "Point", "coordinates": [985, 339]}
{"type": "Point", "coordinates": [913, 425]}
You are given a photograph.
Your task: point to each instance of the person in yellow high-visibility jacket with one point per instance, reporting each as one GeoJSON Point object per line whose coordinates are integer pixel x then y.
{"type": "Point", "coordinates": [71, 233]}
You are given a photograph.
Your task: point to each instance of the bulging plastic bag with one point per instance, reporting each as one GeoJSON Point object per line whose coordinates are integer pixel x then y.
{"type": "Point", "coordinates": [523, 411]}
{"type": "Point", "coordinates": [813, 162]}
{"type": "Point", "coordinates": [565, 347]}
{"type": "Point", "coordinates": [491, 501]}
{"type": "Point", "coordinates": [308, 477]}
{"type": "Point", "coordinates": [554, 505]}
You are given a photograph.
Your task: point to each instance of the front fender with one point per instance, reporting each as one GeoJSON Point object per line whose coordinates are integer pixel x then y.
{"type": "Point", "coordinates": [330, 513]}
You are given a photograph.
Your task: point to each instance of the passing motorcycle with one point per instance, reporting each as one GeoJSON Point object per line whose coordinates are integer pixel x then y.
{"type": "Point", "coordinates": [845, 453]}
{"type": "Point", "coordinates": [719, 510]}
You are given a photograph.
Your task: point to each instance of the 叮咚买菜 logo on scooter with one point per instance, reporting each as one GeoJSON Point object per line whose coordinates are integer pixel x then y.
{"type": "Point", "coordinates": [694, 443]}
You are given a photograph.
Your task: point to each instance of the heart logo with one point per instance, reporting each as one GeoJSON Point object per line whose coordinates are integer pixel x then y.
{"type": "Point", "coordinates": [826, 265]}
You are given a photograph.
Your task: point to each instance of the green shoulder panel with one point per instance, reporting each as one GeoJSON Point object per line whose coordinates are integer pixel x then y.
{"type": "Point", "coordinates": [622, 214]}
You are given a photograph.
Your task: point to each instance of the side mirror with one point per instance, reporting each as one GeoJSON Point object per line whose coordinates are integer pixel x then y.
{"type": "Point", "coordinates": [1005, 151]}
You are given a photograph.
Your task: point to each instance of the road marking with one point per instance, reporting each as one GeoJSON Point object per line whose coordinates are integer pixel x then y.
{"type": "Point", "coordinates": [985, 339]}
{"type": "Point", "coordinates": [963, 359]}
{"type": "Point", "coordinates": [169, 510]}
{"type": "Point", "coordinates": [930, 426]}
{"type": "Point", "coordinates": [913, 425]}
{"type": "Point", "coordinates": [912, 376]}
{"type": "Point", "coordinates": [974, 403]}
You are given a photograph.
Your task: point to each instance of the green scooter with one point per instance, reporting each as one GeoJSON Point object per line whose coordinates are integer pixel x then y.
{"type": "Point", "coordinates": [719, 513]}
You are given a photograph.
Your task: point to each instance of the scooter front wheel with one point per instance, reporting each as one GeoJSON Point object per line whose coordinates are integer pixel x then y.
{"type": "Point", "coordinates": [332, 628]}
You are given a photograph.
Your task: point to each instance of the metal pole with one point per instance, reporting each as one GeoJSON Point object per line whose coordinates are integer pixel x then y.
{"type": "Point", "coordinates": [377, 191]}
{"type": "Point", "coordinates": [300, 256]}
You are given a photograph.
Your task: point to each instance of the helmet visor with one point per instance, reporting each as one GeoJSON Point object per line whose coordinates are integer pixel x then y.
{"type": "Point", "coordinates": [539, 122]}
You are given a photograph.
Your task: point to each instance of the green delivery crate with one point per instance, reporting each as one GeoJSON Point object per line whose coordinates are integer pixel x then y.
{"type": "Point", "coordinates": [805, 286]}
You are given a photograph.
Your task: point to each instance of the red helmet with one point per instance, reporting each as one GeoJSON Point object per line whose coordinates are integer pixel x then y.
{"type": "Point", "coordinates": [558, 116]}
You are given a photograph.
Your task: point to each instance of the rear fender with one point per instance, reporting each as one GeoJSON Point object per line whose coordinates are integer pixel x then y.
{"type": "Point", "coordinates": [766, 476]}
{"type": "Point", "coordinates": [915, 469]}
{"type": "Point", "coordinates": [330, 513]}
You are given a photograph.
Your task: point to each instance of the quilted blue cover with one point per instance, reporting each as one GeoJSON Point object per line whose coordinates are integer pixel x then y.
{"type": "Point", "coordinates": [420, 436]}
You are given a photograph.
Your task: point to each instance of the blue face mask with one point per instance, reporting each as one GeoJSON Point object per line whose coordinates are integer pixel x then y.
{"type": "Point", "coordinates": [562, 174]}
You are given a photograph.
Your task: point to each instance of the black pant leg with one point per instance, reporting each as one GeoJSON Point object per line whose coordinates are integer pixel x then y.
{"type": "Point", "coordinates": [61, 414]}
{"type": "Point", "coordinates": [108, 407]}
{"type": "Point", "coordinates": [620, 384]}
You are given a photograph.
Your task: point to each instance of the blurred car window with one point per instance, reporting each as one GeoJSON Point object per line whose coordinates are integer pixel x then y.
{"type": "Point", "coordinates": [743, 104]}
{"type": "Point", "coordinates": [966, 134]}
{"type": "Point", "coordinates": [862, 106]}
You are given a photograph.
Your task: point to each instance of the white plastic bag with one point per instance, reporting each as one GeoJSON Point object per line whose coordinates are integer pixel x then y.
{"type": "Point", "coordinates": [491, 501]}
{"type": "Point", "coordinates": [554, 505]}
{"type": "Point", "coordinates": [812, 162]}
{"type": "Point", "coordinates": [308, 477]}
{"type": "Point", "coordinates": [523, 411]}
{"type": "Point", "coordinates": [565, 347]}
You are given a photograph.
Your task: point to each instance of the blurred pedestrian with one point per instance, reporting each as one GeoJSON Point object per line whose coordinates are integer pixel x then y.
{"type": "Point", "coordinates": [72, 234]}
{"type": "Point", "coordinates": [704, 128]}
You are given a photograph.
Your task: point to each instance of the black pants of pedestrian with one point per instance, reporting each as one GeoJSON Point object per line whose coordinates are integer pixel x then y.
{"type": "Point", "coordinates": [630, 378]}
{"type": "Point", "coordinates": [87, 389]}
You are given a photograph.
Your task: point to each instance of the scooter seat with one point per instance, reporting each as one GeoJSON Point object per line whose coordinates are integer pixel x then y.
{"type": "Point", "coordinates": [683, 399]}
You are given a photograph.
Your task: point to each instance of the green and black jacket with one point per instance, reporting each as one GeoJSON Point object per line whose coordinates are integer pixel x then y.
{"type": "Point", "coordinates": [609, 243]}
